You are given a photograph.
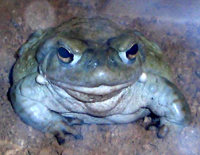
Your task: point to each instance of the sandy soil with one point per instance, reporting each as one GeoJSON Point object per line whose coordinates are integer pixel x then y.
{"type": "Point", "coordinates": [179, 41]}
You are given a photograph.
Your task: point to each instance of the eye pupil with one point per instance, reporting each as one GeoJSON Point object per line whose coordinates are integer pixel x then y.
{"type": "Point", "coordinates": [131, 53]}
{"type": "Point", "coordinates": [65, 55]}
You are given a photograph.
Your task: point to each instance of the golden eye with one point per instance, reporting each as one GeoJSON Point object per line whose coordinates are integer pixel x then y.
{"type": "Point", "coordinates": [64, 55]}
{"type": "Point", "coordinates": [132, 52]}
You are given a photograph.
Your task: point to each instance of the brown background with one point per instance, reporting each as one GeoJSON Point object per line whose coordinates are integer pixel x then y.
{"type": "Point", "coordinates": [175, 27]}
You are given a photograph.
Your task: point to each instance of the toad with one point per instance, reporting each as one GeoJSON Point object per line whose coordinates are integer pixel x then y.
{"type": "Point", "coordinates": [92, 71]}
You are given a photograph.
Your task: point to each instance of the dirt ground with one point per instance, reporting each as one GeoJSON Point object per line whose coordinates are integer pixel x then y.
{"type": "Point", "coordinates": [180, 42]}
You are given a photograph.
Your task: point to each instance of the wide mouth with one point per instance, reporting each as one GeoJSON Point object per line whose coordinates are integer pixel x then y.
{"type": "Point", "coordinates": [99, 91]}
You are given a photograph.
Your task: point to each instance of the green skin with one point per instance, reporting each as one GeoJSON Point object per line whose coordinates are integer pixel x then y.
{"type": "Point", "coordinates": [100, 84]}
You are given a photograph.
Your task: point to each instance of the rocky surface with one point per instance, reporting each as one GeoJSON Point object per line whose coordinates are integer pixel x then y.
{"type": "Point", "coordinates": [180, 42]}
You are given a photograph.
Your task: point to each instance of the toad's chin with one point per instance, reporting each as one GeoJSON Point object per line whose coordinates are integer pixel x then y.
{"type": "Point", "coordinates": [99, 101]}
{"type": "Point", "coordinates": [100, 90]}
{"type": "Point", "coordinates": [86, 94]}
{"type": "Point", "coordinates": [92, 94]}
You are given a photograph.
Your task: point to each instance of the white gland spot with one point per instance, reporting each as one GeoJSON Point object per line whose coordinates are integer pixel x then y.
{"type": "Point", "coordinates": [41, 79]}
{"type": "Point", "coordinates": [143, 77]}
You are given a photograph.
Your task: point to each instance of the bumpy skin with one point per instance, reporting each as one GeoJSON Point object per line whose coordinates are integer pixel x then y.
{"type": "Point", "coordinates": [100, 84]}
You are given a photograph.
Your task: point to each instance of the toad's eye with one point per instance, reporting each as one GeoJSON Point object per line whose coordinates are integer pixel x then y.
{"type": "Point", "coordinates": [132, 52]}
{"type": "Point", "coordinates": [129, 56]}
{"type": "Point", "coordinates": [64, 55]}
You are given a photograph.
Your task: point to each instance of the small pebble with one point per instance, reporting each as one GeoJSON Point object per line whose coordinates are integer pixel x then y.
{"type": "Point", "coordinates": [163, 131]}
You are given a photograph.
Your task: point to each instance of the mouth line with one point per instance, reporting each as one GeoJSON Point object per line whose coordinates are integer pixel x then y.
{"type": "Point", "coordinates": [100, 90]}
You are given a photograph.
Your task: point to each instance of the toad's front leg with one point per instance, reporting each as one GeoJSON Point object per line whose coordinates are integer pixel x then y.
{"type": "Point", "coordinates": [26, 97]}
{"type": "Point", "coordinates": [166, 101]}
